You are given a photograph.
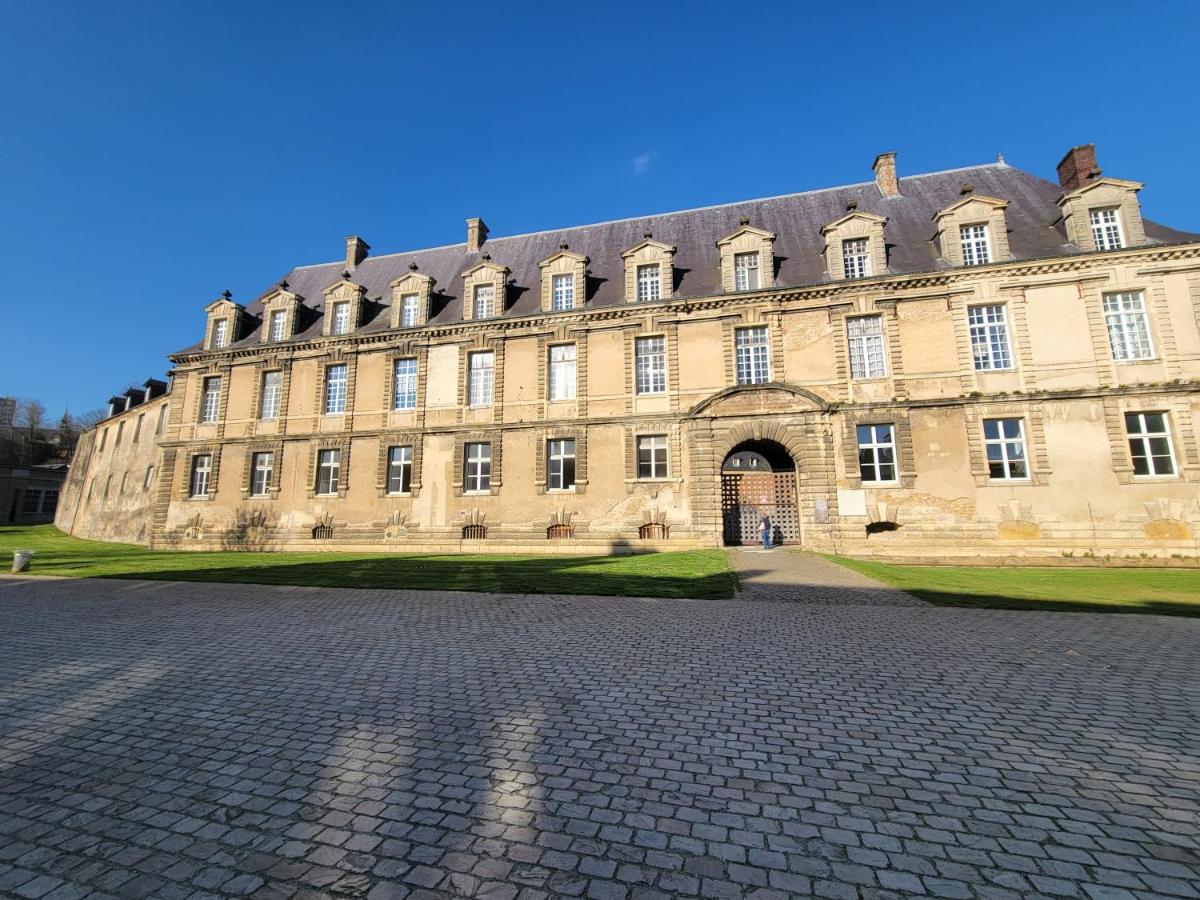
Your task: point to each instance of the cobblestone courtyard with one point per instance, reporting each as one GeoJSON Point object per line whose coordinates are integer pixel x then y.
{"type": "Point", "coordinates": [191, 740]}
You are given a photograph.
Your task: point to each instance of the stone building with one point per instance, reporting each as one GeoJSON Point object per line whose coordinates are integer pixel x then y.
{"type": "Point", "coordinates": [964, 363]}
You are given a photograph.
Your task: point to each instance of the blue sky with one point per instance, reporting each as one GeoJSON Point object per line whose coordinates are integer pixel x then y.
{"type": "Point", "coordinates": [155, 154]}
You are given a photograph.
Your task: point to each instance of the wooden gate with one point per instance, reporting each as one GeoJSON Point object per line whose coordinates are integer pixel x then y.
{"type": "Point", "coordinates": [748, 496]}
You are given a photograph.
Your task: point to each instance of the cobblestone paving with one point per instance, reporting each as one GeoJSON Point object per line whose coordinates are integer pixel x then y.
{"type": "Point", "coordinates": [167, 741]}
{"type": "Point", "coordinates": [785, 574]}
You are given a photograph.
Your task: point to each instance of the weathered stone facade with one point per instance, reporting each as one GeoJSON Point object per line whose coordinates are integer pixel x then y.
{"type": "Point", "coordinates": [779, 326]}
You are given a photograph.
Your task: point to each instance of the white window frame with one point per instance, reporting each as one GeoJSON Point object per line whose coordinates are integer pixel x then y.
{"type": "Point", "coordinates": [409, 308]}
{"type": "Point", "coordinates": [976, 242]}
{"type": "Point", "coordinates": [335, 389]}
{"type": "Point", "coordinates": [481, 378]}
{"type": "Point", "coordinates": [1006, 458]}
{"type": "Point", "coordinates": [198, 479]}
{"type": "Point", "coordinates": [329, 472]}
{"type": "Point", "coordinates": [657, 458]}
{"type": "Point", "coordinates": [1106, 228]}
{"type": "Point", "coordinates": [262, 467]}
{"type": "Point", "coordinates": [1128, 326]}
{"type": "Point", "coordinates": [561, 374]}
{"type": "Point", "coordinates": [1144, 437]}
{"type": "Point", "coordinates": [558, 452]}
{"type": "Point", "coordinates": [477, 468]}
{"type": "Point", "coordinates": [856, 257]}
{"type": "Point", "coordinates": [562, 293]}
{"type": "Point", "coordinates": [272, 394]}
{"type": "Point", "coordinates": [880, 439]}
{"type": "Point", "coordinates": [865, 344]}
{"type": "Point", "coordinates": [991, 349]}
{"type": "Point", "coordinates": [220, 334]}
{"type": "Point", "coordinates": [650, 364]}
{"type": "Point", "coordinates": [745, 271]}
{"type": "Point", "coordinates": [649, 282]}
{"type": "Point", "coordinates": [278, 325]}
{"type": "Point", "coordinates": [341, 318]}
{"type": "Point", "coordinates": [484, 301]}
{"type": "Point", "coordinates": [399, 469]}
{"type": "Point", "coordinates": [210, 404]}
{"type": "Point", "coordinates": [404, 384]}
{"type": "Point", "coordinates": [752, 355]}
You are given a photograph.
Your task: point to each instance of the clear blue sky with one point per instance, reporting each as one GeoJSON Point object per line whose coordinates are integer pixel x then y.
{"type": "Point", "coordinates": [155, 154]}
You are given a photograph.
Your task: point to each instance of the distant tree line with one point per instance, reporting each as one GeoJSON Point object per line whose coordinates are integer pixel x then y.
{"type": "Point", "coordinates": [28, 439]}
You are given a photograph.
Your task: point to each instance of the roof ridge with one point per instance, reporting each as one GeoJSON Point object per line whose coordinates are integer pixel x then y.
{"type": "Point", "coordinates": [675, 212]}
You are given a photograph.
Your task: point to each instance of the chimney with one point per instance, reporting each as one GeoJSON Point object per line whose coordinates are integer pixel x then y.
{"type": "Point", "coordinates": [1078, 167]}
{"type": "Point", "coordinates": [356, 251]}
{"type": "Point", "coordinates": [885, 174]}
{"type": "Point", "coordinates": [477, 233]}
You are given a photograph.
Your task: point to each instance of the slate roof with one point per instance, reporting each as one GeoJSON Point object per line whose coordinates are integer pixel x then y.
{"type": "Point", "coordinates": [796, 219]}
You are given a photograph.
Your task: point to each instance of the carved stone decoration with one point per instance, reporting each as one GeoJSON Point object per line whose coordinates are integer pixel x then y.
{"type": "Point", "coordinates": [1165, 521]}
{"type": "Point", "coordinates": [1016, 522]}
{"type": "Point", "coordinates": [194, 529]}
{"type": "Point", "coordinates": [654, 527]}
{"type": "Point", "coordinates": [396, 527]}
{"type": "Point", "coordinates": [249, 531]}
{"type": "Point", "coordinates": [323, 527]}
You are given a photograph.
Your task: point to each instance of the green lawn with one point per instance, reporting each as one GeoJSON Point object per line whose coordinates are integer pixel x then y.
{"type": "Point", "coordinates": [697, 573]}
{"type": "Point", "coordinates": [1166, 591]}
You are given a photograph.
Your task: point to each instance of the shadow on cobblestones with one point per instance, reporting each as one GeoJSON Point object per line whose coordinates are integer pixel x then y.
{"type": "Point", "coordinates": [179, 740]}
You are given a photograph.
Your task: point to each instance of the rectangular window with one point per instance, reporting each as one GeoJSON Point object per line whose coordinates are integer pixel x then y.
{"type": "Point", "coordinates": [405, 376]}
{"type": "Point", "coordinates": [49, 502]}
{"type": "Point", "coordinates": [485, 300]}
{"type": "Point", "coordinates": [650, 358]}
{"type": "Point", "coordinates": [560, 464]}
{"type": "Point", "coordinates": [562, 293]}
{"type": "Point", "coordinates": [329, 466]}
{"type": "Point", "coordinates": [976, 249]}
{"type": "Point", "coordinates": [278, 323]}
{"type": "Point", "coordinates": [220, 333]}
{"type": "Point", "coordinates": [745, 271]}
{"type": "Point", "coordinates": [865, 335]}
{"type": "Point", "coordinates": [120, 433]}
{"type": "Point", "coordinates": [162, 419]}
{"type": "Point", "coordinates": [649, 282]}
{"type": "Point", "coordinates": [335, 390]}
{"type": "Point", "coordinates": [201, 469]}
{"type": "Point", "coordinates": [989, 337]}
{"type": "Point", "coordinates": [399, 474]}
{"type": "Point", "coordinates": [856, 261]}
{"type": "Point", "coordinates": [149, 479]}
{"type": "Point", "coordinates": [750, 350]}
{"type": "Point", "coordinates": [1128, 327]}
{"type": "Point", "coordinates": [341, 318]}
{"type": "Point", "coordinates": [272, 390]}
{"type": "Point", "coordinates": [477, 467]}
{"type": "Point", "coordinates": [876, 453]}
{"type": "Point", "coordinates": [1150, 443]}
{"type": "Point", "coordinates": [408, 310]}
{"type": "Point", "coordinates": [125, 481]}
{"type": "Point", "coordinates": [1106, 229]}
{"type": "Point", "coordinates": [212, 399]}
{"type": "Point", "coordinates": [562, 372]}
{"type": "Point", "coordinates": [103, 438]}
{"type": "Point", "coordinates": [480, 385]}
{"type": "Point", "coordinates": [1005, 443]}
{"type": "Point", "coordinates": [137, 428]}
{"type": "Point", "coordinates": [261, 465]}
{"type": "Point", "coordinates": [652, 456]}
{"type": "Point", "coordinates": [31, 501]}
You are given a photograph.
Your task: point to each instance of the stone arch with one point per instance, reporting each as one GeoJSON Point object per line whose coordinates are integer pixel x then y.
{"type": "Point", "coordinates": [753, 497]}
{"type": "Point", "coordinates": [813, 402]}
{"type": "Point", "coordinates": [750, 432]}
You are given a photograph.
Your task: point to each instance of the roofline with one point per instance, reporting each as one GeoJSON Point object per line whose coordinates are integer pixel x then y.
{"type": "Point", "coordinates": [675, 212]}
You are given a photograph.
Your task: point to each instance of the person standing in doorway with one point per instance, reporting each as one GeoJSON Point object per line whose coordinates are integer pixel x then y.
{"type": "Point", "coordinates": [766, 532]}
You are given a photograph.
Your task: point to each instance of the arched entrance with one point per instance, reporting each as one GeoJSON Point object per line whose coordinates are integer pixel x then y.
{"type": "Point", "coordinates": [758, 478]}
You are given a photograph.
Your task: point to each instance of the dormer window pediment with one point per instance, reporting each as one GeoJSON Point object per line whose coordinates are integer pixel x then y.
{"type": "Point", "coordinates": [224, 323]}
{"type": "Point", "coordinates": [973, 231]}
{"type": "Point", "coordinates": [343, 307]}
{"type": "Point", "coordinates": [281, 312]}
{"type": "Point", "coordinates": [412, 300]}
{"type": "Point", "coordinates": [855, 246]}
{"type": "Point", "coordinates": [484, 290]}
{"type": "Point", "coordinates": [1103, 214]}
{"type": "Point", "coordinates": [564, 281]}
{"type": "Point", "coordinates": [747, 259]}
{"type": "Point", "coordinates": [649, 271]}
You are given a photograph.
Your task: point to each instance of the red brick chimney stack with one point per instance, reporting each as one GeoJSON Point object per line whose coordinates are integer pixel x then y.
{"type": "Point", "coordinates": [1078, 167]}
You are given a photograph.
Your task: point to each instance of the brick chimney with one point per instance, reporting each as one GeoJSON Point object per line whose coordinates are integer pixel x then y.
{"type": "Point", "coordinates": [356, 251]}
{"type": "Point", "coordinates": [885, 174]}
{"type": "Point", "coordinates": [477, 233]}
{"type": "Point", "coordinates": [1078, 167]}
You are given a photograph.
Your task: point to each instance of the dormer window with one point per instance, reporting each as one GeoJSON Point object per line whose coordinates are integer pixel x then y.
{"type": "Point", "coordinates": [341, 318]}
{"type": "Point", "coordinates": [564, 280]}
{"type": "Point", "coordinates": [343, 307]}
{"type": "Point", "coordinates": [649, 282]}
{"type": "Point", "coordinates": [485, 301]}
{"type": "Point", "coordinates": [409, 310]}
{"type": "Point", "coordinates": [220, 333]}
{"type": "Point", "coordinates": [745, 271]}
{"type": "Point", "coordinates": [278, 325]}
{"type": "Point", "coordinates": [563, 293]}
{"type": "Point", "coordinates": [976, 249]}
{"type": "Point", "coordinates": [223, 322]}
{"type": "Point", "coordinates": [1106, 228]}
{"type": "Point", "coordinates": [412, 295]}
{"type": "Point", "coordinates": [281, 314]}
{"type": "Point", "coordinates": [856, 258]}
